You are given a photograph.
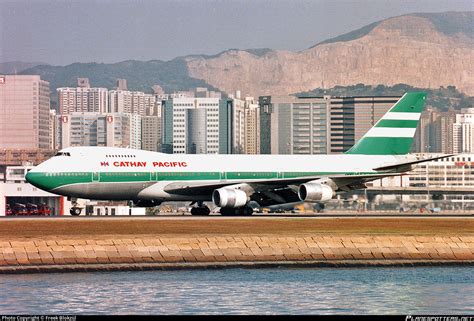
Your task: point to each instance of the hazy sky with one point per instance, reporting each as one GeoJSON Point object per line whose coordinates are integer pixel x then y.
{"type": "Point", "coordinates": [63, 32]}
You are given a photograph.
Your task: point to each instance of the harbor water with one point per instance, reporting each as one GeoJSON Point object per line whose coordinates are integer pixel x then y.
{"type": "Point", "coordinates": [394, 290]}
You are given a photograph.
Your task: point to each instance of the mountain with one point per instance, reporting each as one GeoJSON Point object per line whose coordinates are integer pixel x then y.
{"type": "Point", "coordinates": [425, 50]}
{"type": "Point", "coordinates": [141, 75]}
{"type": "Point", "coordinates": [441, 98]}
{"type": "Point", "coordinates": [13, 67]}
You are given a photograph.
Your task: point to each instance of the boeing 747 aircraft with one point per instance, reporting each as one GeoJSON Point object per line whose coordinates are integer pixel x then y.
{"type": "Point", "coordinates": [232, 182]}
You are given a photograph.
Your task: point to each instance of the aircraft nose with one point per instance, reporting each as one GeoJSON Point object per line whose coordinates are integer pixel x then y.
{"type": "Point", "coordinates": [36, 179]}
{"type": "Point", "coordinates": [30, 178]}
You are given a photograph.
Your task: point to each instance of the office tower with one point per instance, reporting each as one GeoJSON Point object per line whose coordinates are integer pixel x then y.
{"type": "Point", "coordinates": [317, 125]}
{"type": "Point", "coordinates": [24, 112]}
{"type": "Point", "coordinates": [197, 125]}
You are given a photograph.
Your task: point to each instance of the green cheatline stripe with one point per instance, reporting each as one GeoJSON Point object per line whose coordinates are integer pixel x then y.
{"type": "Point", "coordinates": [395, 123]}
{"type": "Point", "coordinates": [382, 146]}
{"type": "Point", "coordinates": [410, 103]}
{"type": "Point", "coordinates": [49, 182]}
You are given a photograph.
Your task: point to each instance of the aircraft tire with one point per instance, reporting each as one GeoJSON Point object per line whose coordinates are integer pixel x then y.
{"type": "Point", "coordinates": [202, 211]}
{"type": "Point", "coordinates": [75, 211]}
{"type": "Point", "coordinates": [238, 211]}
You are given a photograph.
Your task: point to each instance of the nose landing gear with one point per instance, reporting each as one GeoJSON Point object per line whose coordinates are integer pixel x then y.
{"type": "Point", "coordinates": [75, 210]}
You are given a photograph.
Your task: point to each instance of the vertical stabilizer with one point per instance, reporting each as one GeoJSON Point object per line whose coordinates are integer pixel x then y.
{"type": "Point", "coordinates": [393, 133]}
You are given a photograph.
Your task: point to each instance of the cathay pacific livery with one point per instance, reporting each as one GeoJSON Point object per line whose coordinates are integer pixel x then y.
{"type": "Point", "coordinates": [233, 182]}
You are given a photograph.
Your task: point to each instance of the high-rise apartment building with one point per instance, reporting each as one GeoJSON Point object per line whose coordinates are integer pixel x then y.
{"type": "Point", "coordinates": [82, 99]}
{"type": "Point", "coordinates": [463, 131]}
{"type": "Point", "coordinates": [96, 129]}
{"type": "Point", "coordinates": [24, 112]}
{"type": "Point", "coordinates": [252, 127]}
{"type": "Point", "coordinates": [151, 133]}
{"type": "Point", "coordinates": [121, 84]}
{"type": "Point", "coordinates": [83, 82]}
{"type": "Point", "coordinates": [53, 129]}
{"type": "Point", "coordinates": [132, 102]}
{"type": "Point", "coordinates": [238, 125]}
{"type": "Point", "coordinates": [317, 125]}
{"type": "Point", "coordinates": [289, 125]}
{"type": "Point", "coordinates": [197, 126]}
{"type": "Point", "coordinates": [424, 136]}
{"type": "Point", "coordinates": [443, 132]}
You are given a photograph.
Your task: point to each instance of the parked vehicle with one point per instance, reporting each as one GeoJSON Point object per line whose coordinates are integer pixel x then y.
{"type": "Point", "coordinates": [44, 210]}
{"type": "Point", "coordinates": [32, 209]}
{"type": "Point", "coordinates": [20, 209]}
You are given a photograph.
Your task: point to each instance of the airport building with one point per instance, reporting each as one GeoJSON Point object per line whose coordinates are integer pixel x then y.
{"type": "Point", "coordinates": [455, 173]}
{"type": "Point", "coordinates": [96, 129]}
{"type": "Point", "coordinates": [21, 197]}
{"type": "Point", "coordinates": [24, 110]}
{"type": "Point", "coordinates": [317, 125]}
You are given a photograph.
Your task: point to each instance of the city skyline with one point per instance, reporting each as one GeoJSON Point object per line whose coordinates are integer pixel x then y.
{"type": "Point", "coordinates": [60, 33]}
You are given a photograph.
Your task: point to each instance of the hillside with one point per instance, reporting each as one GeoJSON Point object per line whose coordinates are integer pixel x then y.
{"type": "Point", "coordinates": [441, 98]}
{"type": "Point", "coordinates": [141, 75]}
{"type": "Point", "coordinates": [423, 50]}
{"type": "Point", "coordinates": [13, 67]}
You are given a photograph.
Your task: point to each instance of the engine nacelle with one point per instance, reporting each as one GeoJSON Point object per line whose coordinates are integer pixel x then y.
{"type": "Point", "coordinates": [229, 197]}
{"type": "Point", "coordinates": [315, 192]}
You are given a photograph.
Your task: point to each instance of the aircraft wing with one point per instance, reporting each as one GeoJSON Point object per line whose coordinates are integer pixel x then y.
{"type": "Point", "coordinates": [344, 182]}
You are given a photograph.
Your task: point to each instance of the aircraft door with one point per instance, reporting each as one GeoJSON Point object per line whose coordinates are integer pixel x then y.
{"type": "Point", "coordinates": [95, 176]}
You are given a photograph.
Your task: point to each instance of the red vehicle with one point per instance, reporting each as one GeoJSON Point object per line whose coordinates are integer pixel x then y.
{"type": "Point", "coordinates": [8, 210]}
{"type": "Point", "coordinates": [44, 210]}
{"type": "Point", "coordinates": [20, 209]}
{"type": "Point", "coordinates": [32, 209]}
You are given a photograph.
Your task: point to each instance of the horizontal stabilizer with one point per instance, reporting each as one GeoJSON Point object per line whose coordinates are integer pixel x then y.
{"type": "Point", "coordinates": [400, 166]}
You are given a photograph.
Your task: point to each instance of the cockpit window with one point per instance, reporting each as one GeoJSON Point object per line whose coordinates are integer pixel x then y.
{"type": "Point", "coordinates": [63, 154]}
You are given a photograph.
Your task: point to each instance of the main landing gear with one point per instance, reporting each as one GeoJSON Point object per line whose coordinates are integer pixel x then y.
{"type": "Point", "coordinates": [75, 210]}
{"type": "Point", "coordinates": [200, 209]}
{"type": "Point", "coordinates": [238, 211]}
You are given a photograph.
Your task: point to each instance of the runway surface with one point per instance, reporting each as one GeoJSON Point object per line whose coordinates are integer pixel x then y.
{"type": "Point", "coordinates": [187, 225]}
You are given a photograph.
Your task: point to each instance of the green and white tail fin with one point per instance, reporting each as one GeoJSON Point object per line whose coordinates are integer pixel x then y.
{"type": "Point", "coordinates": [393, 133]}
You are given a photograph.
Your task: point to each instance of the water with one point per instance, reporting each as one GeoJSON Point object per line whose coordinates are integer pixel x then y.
{"type": "Point", "coordinates": [418, 290]}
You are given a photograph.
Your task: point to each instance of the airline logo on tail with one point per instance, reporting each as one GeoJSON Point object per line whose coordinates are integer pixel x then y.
{"type": "Point", "coordinates": [393, 133]}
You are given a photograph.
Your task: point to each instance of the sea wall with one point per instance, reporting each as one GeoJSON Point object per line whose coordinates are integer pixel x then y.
{"type": "Point", "coordinates": [125, 252]}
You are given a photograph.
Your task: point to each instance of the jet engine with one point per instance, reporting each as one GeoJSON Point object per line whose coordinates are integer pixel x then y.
{"type": "Point", "coordinates": [229, 197]}
{"type": "Point", "coordinates": [315, 192]}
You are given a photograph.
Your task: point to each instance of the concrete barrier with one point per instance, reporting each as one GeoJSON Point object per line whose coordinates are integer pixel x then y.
{"type": "Point", "coordinates": [128, 252]}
